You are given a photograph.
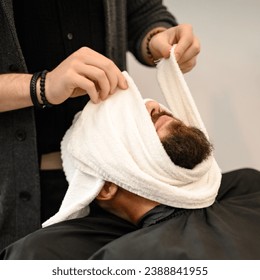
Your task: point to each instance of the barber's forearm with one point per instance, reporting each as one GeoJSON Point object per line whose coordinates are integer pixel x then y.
{"type": "Point", "coordinates": [14, 91]}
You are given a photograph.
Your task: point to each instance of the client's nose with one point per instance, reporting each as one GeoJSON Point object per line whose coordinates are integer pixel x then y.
{"type": "Point", "coordinates": [153, 107]}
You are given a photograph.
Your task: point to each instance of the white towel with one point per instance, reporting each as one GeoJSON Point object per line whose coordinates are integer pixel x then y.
{"type": "Point", "coordinates": [116, 141]}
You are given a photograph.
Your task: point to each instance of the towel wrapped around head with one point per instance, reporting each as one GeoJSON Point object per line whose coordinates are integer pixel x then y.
{"type": "Point", "coordinates": [116, 141]}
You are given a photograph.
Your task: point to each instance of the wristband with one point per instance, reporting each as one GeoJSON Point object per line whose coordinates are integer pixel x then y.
{"type": "Point", "coordinates": [45, 102]}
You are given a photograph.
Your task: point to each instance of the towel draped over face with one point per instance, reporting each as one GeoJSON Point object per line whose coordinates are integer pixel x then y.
{"type": "Point", "coordinates": [116, 141]}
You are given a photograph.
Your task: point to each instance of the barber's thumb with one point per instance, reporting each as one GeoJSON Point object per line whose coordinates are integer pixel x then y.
{"type": "Point", "coordinates": [177, 55]}
{"type": "Point", "coordinates": [166, 51]}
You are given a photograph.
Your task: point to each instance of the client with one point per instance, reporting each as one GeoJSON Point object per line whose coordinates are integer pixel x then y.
{"type": "Point", "coordinates": [115, 210]}
{"type": "Point", "coordinates": [144, 184]}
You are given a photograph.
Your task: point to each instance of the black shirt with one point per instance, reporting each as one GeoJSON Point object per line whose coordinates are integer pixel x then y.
{"type": "Point", "coordinates": [49, 31]}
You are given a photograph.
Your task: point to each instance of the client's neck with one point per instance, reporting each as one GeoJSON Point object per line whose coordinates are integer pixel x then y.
{"type": "Point", "coordinates": [131, 207]}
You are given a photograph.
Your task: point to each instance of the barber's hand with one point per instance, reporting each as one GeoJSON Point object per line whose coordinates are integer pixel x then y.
{"type": "Point", "coordinates": [186, 50]}
{"type": "Point", "coordinates": [84, 72]}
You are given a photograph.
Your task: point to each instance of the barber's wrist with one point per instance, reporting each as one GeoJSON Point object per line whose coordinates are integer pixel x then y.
{"type": "Point", "coordinates": [147, 52]}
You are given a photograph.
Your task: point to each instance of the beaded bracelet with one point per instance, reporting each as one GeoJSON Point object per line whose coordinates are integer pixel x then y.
{"type": "Point", "coordinates": [45, 102]}
{"type": "Point", "coordinates": [148, 51]}
{"type": "Point", "coordinates": [33, 92]}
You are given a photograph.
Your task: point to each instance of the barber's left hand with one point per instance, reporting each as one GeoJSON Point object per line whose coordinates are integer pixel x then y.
{"type": "Point", "coordinates": [186, 50]}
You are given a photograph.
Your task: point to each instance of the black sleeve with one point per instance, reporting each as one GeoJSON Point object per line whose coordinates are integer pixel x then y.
{"type": "Point", "coordinates": [142, 16]}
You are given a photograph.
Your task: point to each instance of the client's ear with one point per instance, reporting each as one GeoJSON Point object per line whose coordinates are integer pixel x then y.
{"type": "Point", "coordinates": [108, 191]}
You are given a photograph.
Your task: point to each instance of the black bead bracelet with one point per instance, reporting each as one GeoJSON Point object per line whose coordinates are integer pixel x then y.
{"type": "Point", "coordinates": [45, 102]}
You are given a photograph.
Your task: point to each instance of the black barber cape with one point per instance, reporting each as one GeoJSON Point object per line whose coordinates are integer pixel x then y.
{"type": "Point", "coordinates": [229, 229]}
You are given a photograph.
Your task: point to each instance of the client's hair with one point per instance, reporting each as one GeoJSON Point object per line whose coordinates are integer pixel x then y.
{"type": "Point", "coordinates": [187, 146]}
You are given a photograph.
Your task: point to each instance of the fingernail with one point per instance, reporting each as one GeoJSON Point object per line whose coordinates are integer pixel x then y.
{"type": "Point", "coordinates": [97, 100]}
{"type": "Point", "coordinates": [125, 84]}
{"type": "Point", "coordinates": [112, 91]}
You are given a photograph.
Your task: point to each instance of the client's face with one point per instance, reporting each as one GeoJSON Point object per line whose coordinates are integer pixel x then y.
{"type": "Point", "coordinates": [187, 146]}
{"type": "Point", "coordinates": [162, 120]}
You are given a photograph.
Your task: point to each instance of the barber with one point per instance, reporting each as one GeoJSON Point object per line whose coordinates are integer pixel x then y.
{"type": "Point", "coordinates": [82, 45]}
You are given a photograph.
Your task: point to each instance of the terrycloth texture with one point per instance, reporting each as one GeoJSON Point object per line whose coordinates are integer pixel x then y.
{"type": "Point", "coordinates": [116, 141]}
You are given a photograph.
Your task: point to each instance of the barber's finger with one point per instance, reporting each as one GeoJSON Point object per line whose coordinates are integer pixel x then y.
{"type": "Point", "coordinates": [114, 75]}
{"type": "Point", "coordinates": [122, 82]}
{"type": "Point", "coordinates": [89, 87]}
{"type": "Point", "coordinates": [160, 44]}
{"type": "Point", "coordinates": [190, 51]}
{"type": "Point", "coordinates": [100, 79]}
{"type": "Point", "coordinates": [181, 48]}
{"type": "Point", "coordinates": [188, 65]}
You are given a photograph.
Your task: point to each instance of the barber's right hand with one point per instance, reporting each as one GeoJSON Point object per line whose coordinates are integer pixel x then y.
{"type": "Point", "coordinates": [84, 72]}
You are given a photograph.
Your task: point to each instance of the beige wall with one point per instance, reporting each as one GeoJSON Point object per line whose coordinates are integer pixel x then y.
{"type": "Point", "coordinates": [226, 81]}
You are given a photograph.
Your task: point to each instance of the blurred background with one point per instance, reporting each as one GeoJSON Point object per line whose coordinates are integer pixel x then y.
{"type": "Point", "coordinates": [226, 81]}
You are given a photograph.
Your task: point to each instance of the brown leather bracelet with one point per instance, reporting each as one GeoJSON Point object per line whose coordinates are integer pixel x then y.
{"type": "Point", "coordinates": [33, 92]}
